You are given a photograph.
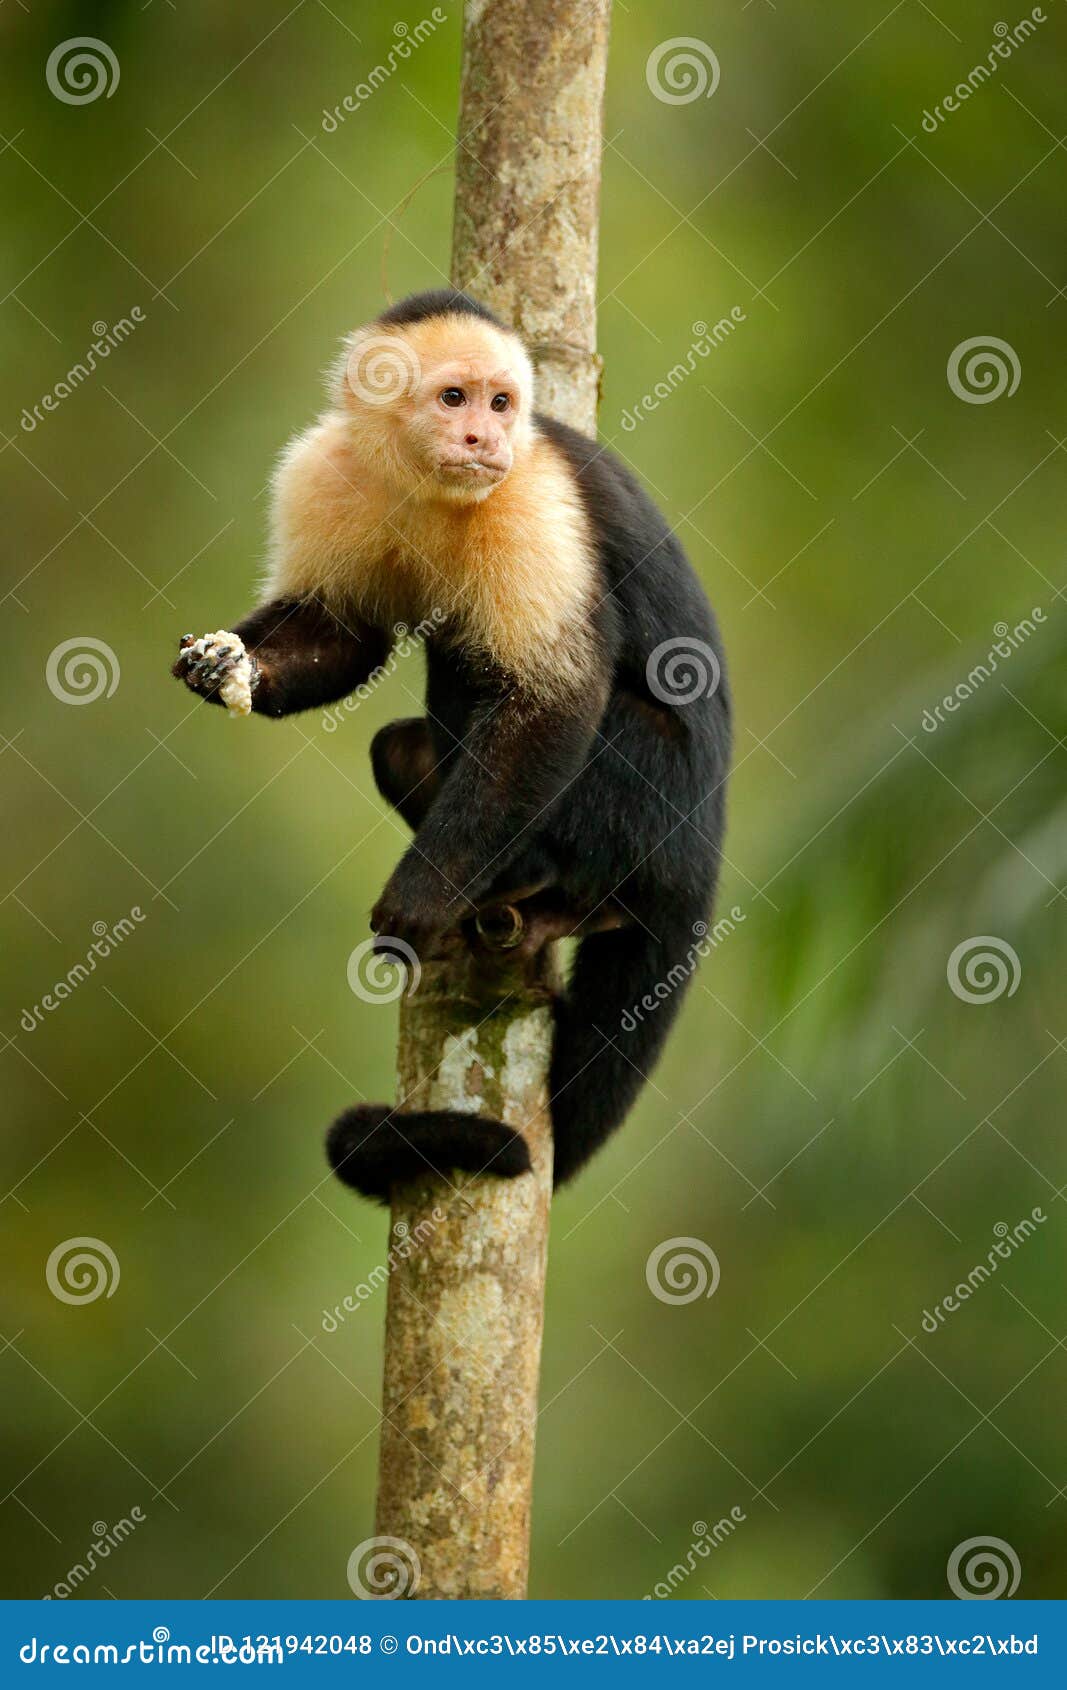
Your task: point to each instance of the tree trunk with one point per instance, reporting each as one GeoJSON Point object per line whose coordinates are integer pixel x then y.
{"type": "Point", "coordinates": [466, 1291]}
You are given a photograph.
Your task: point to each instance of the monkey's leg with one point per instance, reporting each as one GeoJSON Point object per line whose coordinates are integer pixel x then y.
{"type": "Point", "coordinates": [372, 1148]}
{"type": "Point", "coordinates": [406, 768]}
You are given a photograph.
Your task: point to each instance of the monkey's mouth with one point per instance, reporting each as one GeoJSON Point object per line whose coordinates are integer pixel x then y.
{"type": "Point", "coordinates": [474, 469]}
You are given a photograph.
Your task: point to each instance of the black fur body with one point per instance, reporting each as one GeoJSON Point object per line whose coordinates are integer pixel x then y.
{"type": "Point", "coordinates": [624, 810]}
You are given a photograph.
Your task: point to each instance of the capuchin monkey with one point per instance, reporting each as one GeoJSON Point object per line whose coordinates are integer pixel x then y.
{"type": "Point", "coordinates": [576, 740]}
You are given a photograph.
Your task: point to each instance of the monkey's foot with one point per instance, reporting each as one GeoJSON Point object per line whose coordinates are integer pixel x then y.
{"type": "Point", "coordinates": [373, 1149]}
{"type": "Point", "coordinates": [219, 663]}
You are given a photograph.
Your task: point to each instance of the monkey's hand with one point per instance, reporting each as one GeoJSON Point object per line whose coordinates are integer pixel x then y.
{"type": "Point", "coordinates": [218, 666]}
{"type": "Point", "coordinates": [418, 905]}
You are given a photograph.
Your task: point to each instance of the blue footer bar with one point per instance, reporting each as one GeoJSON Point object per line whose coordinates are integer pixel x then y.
{"type": "Point", "coordinates": [440, 1643]}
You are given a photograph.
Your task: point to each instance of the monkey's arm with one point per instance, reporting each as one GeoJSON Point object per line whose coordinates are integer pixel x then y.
{"type": "Point", "coordinates": [520, 752]}
{"type": "Point", "coordinates": [301, 655]}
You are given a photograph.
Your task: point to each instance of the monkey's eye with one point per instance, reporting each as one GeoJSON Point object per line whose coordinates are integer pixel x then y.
{"type": "Point", "coordinates": [453, 397]}
{"type": "Point", "coordinates": [500, 402]}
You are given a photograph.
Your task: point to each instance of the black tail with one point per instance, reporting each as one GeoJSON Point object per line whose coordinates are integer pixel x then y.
{"type": "Point", "coordinates": [624, 993]}
{"type": "Point", "coordinates": [373, 1149]}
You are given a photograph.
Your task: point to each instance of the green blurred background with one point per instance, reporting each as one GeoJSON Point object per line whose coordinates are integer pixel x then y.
{"type": "Point", "coordinates": [831, 1119]}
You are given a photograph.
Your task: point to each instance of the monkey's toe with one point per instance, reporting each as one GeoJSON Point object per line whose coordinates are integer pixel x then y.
{"type": "Point", "coordinates": [372, 1149]}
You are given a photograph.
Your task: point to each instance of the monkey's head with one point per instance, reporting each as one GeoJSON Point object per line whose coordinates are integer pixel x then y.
{"type": "Point", "coordinates": [441, 394]}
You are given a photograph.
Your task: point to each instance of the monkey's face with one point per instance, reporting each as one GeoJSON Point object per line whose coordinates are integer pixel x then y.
{"type": "Point", "coordinates": [470, 411]}
{"type": "Point", "coordinates": [462, 427]}
{"type": "Point", "coordinates": [444, 405]}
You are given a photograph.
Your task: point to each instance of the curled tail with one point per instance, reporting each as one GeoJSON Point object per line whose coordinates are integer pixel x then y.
{"type": "Point", "coordinates": [624, 992]}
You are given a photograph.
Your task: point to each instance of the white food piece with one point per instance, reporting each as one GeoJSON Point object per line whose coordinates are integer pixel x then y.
{"type": "Point", "coordinates": [236, 689]}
